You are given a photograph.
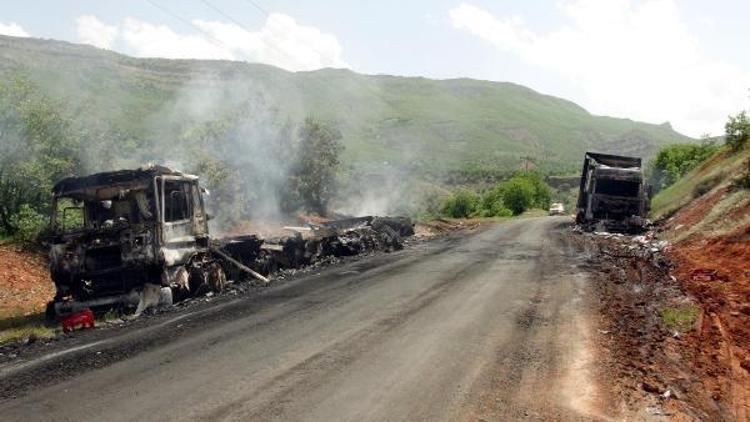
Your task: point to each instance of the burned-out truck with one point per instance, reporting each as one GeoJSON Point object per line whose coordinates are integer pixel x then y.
{"type": "Point", "coordinates": [137, 237]}
{"type": "Point", "coordinates": [613, 193]}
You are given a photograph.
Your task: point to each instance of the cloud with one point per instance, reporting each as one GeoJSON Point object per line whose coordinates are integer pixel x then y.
{"type": "Point", "coordinates": [13, 29]}
{"type": "Point", "coordinates": [95, 32]}
{"type": "Point", "coordinates": [280, 42]}
{"type": "Point", "coordinates": [630, 59]}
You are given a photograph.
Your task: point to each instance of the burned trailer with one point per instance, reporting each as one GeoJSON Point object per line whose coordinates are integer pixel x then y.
{"type": "Point", "coordinates": [133, 237]}
{"type": "Point", "coordinates": [613, 194]}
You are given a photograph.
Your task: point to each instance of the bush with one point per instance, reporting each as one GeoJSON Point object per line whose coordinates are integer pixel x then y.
{"type": "Point", "coordinates": [29, 224]}
{"type": "Point", "coordinates": [498, 209]}
{"type": "Point", "coordinates": [38, 146]}
{"type": "Point", "coordinates": [461, 204]}
{"type": "Point", "coordinates": [492, 205]}
{"type": "Point", "coordinates": [737, 131]}
{"type": "Point", "coordinates": [518, 195]}
{"type": "Point", "coordinates": [542, 192]}
{"type": "Point", "coordinates": [674, 161]}
{"type": "Point", "coordinates": [511, 197]}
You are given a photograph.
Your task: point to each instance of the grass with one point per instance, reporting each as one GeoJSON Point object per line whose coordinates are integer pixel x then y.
{"type": "Point", "coordinates": [713, 173]}
{"type": "Point", "coordinates": [681, 319]}
{"type": "Point", "coordinates": [19, 327]}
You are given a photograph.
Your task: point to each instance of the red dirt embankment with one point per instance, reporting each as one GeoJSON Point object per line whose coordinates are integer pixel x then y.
{"type": "Point", "coordinates": [25, 285]}
{"type": "Point", "coordinates": [721, 344]}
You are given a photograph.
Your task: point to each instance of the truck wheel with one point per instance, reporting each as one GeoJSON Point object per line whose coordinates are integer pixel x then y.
{"type": "Point", "coordinates": [217, 279]}
{"type": "Point", "coordinates": [198, 281]}
{"type": "Point", "coordinates": [50, 314]}
{"type": "Point", "coordinates": [182, 282]}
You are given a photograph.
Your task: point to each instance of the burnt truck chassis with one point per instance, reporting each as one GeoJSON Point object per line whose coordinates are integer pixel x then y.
{"type": "Point", "coordinates": [613, 195]}
{"type": "Point", "coordinates": [142, 240]}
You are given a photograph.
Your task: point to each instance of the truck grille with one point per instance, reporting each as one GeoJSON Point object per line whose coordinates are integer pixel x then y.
{"type": "Point", "coordinates": [103, 258]}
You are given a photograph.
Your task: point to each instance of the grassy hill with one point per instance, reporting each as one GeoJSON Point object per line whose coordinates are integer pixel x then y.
{"type": "Point", "coordinates": [708, 200]}
{"type": "Point", "coordinates": [418, 122]}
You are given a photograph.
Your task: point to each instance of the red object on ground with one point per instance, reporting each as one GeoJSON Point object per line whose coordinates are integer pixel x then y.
{"type": "Point", "coordinates": [83, 319]}
{"type": "Point", "coordinates": [703, 274]}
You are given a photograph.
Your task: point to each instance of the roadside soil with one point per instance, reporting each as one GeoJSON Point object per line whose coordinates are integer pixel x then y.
{"type": "Point", "coordinates": [25, 285]}
{"type": "Point", "coordinates": [694, 372]}
{"type": "Point", "coordinates": [720, 347]}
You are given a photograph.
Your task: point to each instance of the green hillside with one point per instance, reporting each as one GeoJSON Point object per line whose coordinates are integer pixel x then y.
{"type": "Point", "coordinates": [419, 122]}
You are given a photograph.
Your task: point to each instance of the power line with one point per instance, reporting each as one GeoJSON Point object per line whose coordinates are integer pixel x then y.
{"type": "Point", "coordinates": [242, 26]}
{"type": "Point", "coordinates": [183, 20]}
{"type": "Point", "coordinates": [268, 14]}
{"type": "Point", "coordinates": [226, 16]}
{"type": "Point", "coordinates": [236, 22]}
{"type": "Point", "coordinates": [257, 6]}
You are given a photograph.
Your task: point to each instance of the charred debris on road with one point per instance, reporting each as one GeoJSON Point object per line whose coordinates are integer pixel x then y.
{"type": "Point", "coordinates": [647, 324]}
{"type": "Point", "coordinates": [140, 238]}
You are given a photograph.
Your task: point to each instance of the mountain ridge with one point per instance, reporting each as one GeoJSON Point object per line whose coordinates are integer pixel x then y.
{"type": "Point", "coordinates": [383, 118]}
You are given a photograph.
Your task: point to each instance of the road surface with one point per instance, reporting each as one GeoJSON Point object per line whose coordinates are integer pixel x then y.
{"type": "Point", "coordinates": [487, 326]}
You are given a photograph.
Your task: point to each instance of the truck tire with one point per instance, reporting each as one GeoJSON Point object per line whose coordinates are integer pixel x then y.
{"type": "Point", "coordinates": [50, 314]}
{"type": "Point", "coordinates": [198, 280]}
{"type": "Point", "coordinates": [217, 278]}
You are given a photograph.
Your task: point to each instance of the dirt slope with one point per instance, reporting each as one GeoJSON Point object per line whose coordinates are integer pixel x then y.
{"type": "Point", "coordinates": [25, 286]}
{"type": "Point", "coordinates": [712, 231]}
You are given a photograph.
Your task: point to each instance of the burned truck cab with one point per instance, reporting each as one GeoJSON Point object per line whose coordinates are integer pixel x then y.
{"type": "Point", "coordinates": [613, 193]}
{"type": "Point", "coordinates": [114, 234]}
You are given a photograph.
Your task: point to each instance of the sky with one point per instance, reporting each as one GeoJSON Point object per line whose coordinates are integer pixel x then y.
{"type": "Point", "coordinates": [683, 62]}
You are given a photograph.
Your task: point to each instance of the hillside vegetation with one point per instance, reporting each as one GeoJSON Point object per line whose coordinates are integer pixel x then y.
{"type": "Point", "coordinates": [426, 125]}
{"type": "Point", "coordinates": [706, 218]}
{"type": "Point", "coordinates": [713, 197]}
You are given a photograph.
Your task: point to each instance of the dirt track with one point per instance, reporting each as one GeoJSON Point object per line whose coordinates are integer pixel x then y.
{"type": "Point", "coordinates": [488, 326]}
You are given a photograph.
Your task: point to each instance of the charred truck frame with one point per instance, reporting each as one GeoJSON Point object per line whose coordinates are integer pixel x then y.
{"type": "Point", "coordinates": [137, 237]}
{"type": "Point", "coordinates": [613, 194]}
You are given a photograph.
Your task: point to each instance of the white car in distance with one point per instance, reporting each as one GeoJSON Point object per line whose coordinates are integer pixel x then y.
{"type": "Point", "coordinates": [557, 208]}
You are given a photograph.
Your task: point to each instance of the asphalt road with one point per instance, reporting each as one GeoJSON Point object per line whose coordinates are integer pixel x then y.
{"type": "Point", "coordinates": [486, 326]}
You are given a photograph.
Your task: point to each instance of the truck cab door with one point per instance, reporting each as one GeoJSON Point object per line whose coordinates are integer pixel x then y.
{"type": "Point", "coordinates": [200, 219]}
{"type": "Point", "coordinates": [176, 219]}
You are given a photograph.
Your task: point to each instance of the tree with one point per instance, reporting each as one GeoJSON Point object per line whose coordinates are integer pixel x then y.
{"type": "Point", "coordinates": [37, 148]}
{"type": "Point", "coordinates": [314, 174]}
{"type": "Point", "coordinates": [674, 161]}
{"type": "Point", "coordinates": [461, 204]}
{"type": "Point", "coordinates": [737, 131]}
{"type": "Point", "coordinates": [492, 203]}
{"type": "Point", "coordinates": [542, 193]}
{"type": "Point", "coordinates": [518, 194]}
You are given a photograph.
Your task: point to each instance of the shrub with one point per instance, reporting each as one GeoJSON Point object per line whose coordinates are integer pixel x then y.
{"type": "Point", "coordinates": [511, 197]}
{"type": "Point", "coordinates": [737, 131]}
{"type": "Point", "coordinates": [674, 161]}
{"type": "Point", "coordinates": [492, 205]}
{"type": "Point", "coordinates": [461, 204]}
{"type": "Point", "coordinates": [518, 195]}
{"type": "Point", "coordinates": [29, 224]}
{"type": "Point", "coordinates": [498, 209]}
